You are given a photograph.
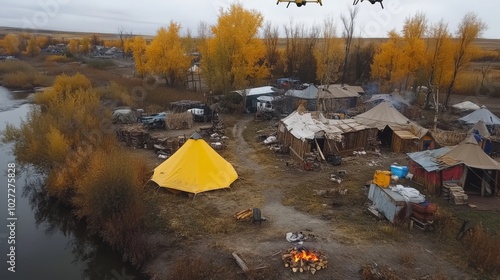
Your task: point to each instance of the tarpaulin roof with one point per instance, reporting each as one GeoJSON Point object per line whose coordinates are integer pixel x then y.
{"type": "Point", "coordinates": [382, 115]}
{"type": "Point", "coordinates": [469, 153]}
{"type": "Point", "coordinates": [338, 91]}
{"type": "Point", "coordinates": [195, 167]}
{"type": "Point", "coordinates": [427, 158]}
{"type": "Point", "coordinates": [466, 105]}
{"type": "Point", "coordinates": [395, 98]}
{"type": "Point", "coordinates": [303, 125]}
{"type": "Point", "coordinates": [311, 92]}
{"type": "Point", "coordinates": [257, 91]}
{"type": "Point", "coordinates": [482, 114]}
{"type": "Point", "coordinates": [346, 125]}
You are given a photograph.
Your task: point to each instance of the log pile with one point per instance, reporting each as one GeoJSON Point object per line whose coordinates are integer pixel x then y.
{"type": "Point", "coordinates": [243, 215]}
{"type": "Point", "coordinates": [303, 260]}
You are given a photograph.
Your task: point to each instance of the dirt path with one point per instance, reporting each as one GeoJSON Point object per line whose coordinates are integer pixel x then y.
{"type": "Point", "coordinates": [412, 256]}
{"type": "Point", "coordinates": [346, 259]}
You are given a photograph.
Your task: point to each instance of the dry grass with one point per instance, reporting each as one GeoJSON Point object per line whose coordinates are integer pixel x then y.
{"type": "Point", "coordinates": [484, 250]}
{"type": "Point", "coordinates": [407, 259]}
{"type": "Point", "coordinates": [58, 59]}
{"type": "Point", "coordinates": [26, 80]}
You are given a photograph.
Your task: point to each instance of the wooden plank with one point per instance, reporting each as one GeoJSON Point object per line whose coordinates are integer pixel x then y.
{"type": "Point", "coordinates": [241, 263]}
{"type": "Point", "coordinates": [319, 149]}
{"type": "Point", "coordinates": [296, 154]}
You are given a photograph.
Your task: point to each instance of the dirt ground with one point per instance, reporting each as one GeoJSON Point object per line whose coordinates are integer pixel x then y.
{"type": "Point", "coordinates": [410, 254]}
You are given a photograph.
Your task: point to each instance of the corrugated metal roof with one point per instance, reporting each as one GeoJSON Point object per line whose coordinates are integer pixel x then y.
{"type": "Point", "coordinates": [256, 91]}
{"type": "Point", "coordinates": [427, 159]}
{"type": "Point", "coordinates": [337, 91]}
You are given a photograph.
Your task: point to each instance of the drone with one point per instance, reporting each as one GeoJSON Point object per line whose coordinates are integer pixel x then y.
{"type": "Point", "coordinates": [371, 1]}
{"type": "Point", "coordinates": [301, 3]}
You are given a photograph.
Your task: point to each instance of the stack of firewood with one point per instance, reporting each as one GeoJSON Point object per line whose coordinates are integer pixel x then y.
{"type": "Point", "coordinates": [243, 214]}
{"type": "Point", "coordinates": [300, 260]}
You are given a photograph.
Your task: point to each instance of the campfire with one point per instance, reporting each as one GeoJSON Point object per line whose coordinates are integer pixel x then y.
{"type": "Point", "coordinates": [301, 259]}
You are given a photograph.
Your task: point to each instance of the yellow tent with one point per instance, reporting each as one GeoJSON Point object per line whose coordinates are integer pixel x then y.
{"type": "Point", "coordinates": [195, 168]}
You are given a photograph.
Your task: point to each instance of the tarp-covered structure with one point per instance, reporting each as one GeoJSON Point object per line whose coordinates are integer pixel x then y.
{"type": "Point", "coordinates": [306, 96]}
{"type": "Point", "coordinates": [482, 114]}
{"type": "Point", "coordinates": [303, 131]}
{"type": "Point", "coordinates": [194, 168]}
{"type": "Point", "coordinates": [481, 173]}
{"type": "Point", "coordinates": [488, 142]}
{"type": "Point", "coordinates": [338, 98]}
{"type": "Point", "coordinates": [429, 172]}
{"type": "Point", "coordinates": [396, 130]}
{"type": "Point", "coordinates": [251, 95]}
{"type": "Point", "coordinates": [466, 106]}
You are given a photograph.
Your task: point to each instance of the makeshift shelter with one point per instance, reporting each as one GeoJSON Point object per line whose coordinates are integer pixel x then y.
{"type": "Point", "coordinates": [304, 131]}
{"type": "Point", "coordinates": [481, 173]}
{"type": "Point", "coordinates": [252, 94]}
{"type": "Point", "coordinates": [431, 173]}
{"type": "Point", "coordinates": [195, 167]}
{"type": "Point", "coordinates": [337, 98]}
{"type": "Point", "coordinates": [396, 130]}
{"type": "Point", "coordinates": [306, 96]}
{"type": "Point", "coordinates": [463, 107]}
{"type": "Point", "coordinates": [482, 114]}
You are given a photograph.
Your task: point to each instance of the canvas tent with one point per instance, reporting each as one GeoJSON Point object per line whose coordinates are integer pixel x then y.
{"type": "Point", "coordinates": [481, 174]}
{"type": "Point", "coordinates": [482, 114]}
{"type": "Point", "coordinates": [396, 130]}
{"type": "Point", "coordinates": [195, 168]}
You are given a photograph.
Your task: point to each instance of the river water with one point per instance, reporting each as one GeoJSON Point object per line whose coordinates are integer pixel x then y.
{"type": "Point", "coordinates": [49, 242]}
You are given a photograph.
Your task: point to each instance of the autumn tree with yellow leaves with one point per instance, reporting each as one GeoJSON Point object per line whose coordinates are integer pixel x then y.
{"type": "Point", "coordinates": [32, 49]}
{"type": "Point", "coordinates": [328, 54]}
{"type": "Point", "coordinates": [166, 56]}
{"type": "Point", "coordinates": [232, 55]}
{"type": "Point", "coordinates": [470, 28]}
{"type": "Point", "coordinates": [69, 139]}
{"type": "Point", "coordinates": [439, 62]}
{"type": "Point", "coordinates": [137, 46]}
{"type": "Point", "coordinates": [388, 62]}
{"type": "Point", "coordinates": [10, 44]}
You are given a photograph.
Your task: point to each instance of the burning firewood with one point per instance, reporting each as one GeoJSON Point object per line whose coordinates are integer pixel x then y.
{"type": "Point", "coordinates": [301, 259]}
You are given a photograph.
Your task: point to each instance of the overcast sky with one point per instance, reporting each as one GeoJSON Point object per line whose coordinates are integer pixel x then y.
{"type": "Point", "coordinates": [146, 16]}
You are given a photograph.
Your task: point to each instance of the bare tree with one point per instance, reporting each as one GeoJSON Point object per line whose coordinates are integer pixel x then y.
{"type": "Point", "coordinates": [470, 28]}
{"type": "Point", "coordinates": [271, 39]}
{"type": "Point", "coordinates": [347, 33]}
{"type": "Point", "coordinates": [299, 51]}
{"type": "Point", "coordinates": [329, 54]}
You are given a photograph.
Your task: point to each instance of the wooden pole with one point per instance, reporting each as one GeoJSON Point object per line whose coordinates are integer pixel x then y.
{"type": "Point", "coordinates": [241, 263]}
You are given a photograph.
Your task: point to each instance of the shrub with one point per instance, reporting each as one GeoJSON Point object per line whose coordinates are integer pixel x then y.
{"type": "Point", "coordinates": [58, 58]}
{"type": "Point", "coordinates": [117, 93]}
{"type": "Point", "coordinates": [26, 80]}
{"type": "Point", "coordinates": [101, 63]}
{"type": "Point", "coordinates": [12, 66]}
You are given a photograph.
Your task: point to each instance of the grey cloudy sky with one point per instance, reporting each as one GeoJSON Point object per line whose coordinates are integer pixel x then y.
{"type": "Point", "coordinates": [145, 17]}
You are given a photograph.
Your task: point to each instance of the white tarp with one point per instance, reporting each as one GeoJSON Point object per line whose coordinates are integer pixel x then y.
{"type": "Point", "coordinates": [466, 106]}
{"type": "Point", "coordinates": [304, 126]}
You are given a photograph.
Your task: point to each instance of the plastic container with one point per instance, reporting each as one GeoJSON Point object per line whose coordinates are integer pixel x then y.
{"type": "Point", "coordinates": [400, 171]}
{"type": "Point", "coordinates": [382, 178]}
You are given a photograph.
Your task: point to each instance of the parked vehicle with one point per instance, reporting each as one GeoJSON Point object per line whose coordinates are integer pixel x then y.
{"type": "Point", "coordinates": [155, 120]}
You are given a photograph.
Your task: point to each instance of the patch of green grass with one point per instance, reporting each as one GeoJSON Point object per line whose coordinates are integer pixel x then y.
{"type": "Point", "coordinates": [101, 63]}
